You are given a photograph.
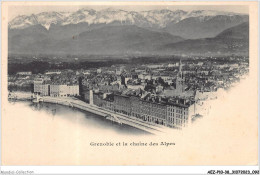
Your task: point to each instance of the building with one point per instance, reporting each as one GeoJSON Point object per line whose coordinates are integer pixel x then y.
{"type": "Point", "coordinates": [109, 102]}
{"type": "Point", "coordinates": [154, 66]}
{"type": "Point", "coordinates": [98, 99]}
{"type": "Point", "coordinates": [135, 107]}
{"type": "Point", "coordinates": [54, 90]}
{"type": "Point", "coordinates": [45, 91]}
{"type": "Point", "coordinates": [159, 88]}
{"type": "Point", "coordinates": [63, 90]}
{"type": "Point", "coordinates": [145, 110]}
{"type": "Point", "coordinates": [158, 113]}
{"type": "Point", "coordinates": [41, 87]}
{"type": "Point", "coordinates": [24, 73]}
{"type": "Point", "coordinates": [166, 78]}
{"type": "Point", "coordinates": [119, 70]}
{"type": "Point", "coordinates": [91, 97]}
{"type": "Point", "coordinates": [86, 96]}
{"type": "Point", "coordinates": [37, 85]}
{"type": "Point", "coordinates": [150, 109]}
{"type": "Point", "coordinates": [57, 72]}
{"type": "Point", "coordinates": [99, 70]}
{"type": "Point", "coordinates": [73, 90]}
{"type": "Point", "coordinates": [122, 104]}
{"type": "Point", "coordinates": [179, 114]}
{"type": "Point", "coordinates": [135, 87]}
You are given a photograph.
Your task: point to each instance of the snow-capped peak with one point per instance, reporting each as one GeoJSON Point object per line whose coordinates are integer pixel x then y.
{"type": "Point", "coordinates": [158, 17]}
{"type": "Point", "coordinates": [196, 13]}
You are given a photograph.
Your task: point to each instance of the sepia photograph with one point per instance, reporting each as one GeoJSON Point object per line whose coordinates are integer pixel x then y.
{"type": "Point", "coordinates": [129, 83]}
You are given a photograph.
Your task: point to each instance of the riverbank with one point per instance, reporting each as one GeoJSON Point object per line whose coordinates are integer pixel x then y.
{"type": "Point", "coordinates": [110, 115]}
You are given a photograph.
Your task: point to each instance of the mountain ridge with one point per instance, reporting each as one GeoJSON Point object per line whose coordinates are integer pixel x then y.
{"type": "Point", "coordinates": [157, 18]}
{"type": "Point", "coordinates": [108, 39]}
{"type": "Point", "coordinates": [128, 32]}
{"type": "Point", "coordinates": [133, 40]}
{"type": "Point", "coordinates": [234, 40]}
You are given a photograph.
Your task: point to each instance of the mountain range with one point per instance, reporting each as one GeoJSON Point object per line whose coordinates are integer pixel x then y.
{"type": "Point", "coordinates": [115, 31]}
{"type": "Point", "coordinates": [234, 40]}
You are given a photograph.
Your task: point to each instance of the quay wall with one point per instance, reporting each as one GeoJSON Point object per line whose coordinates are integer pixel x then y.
{"type": "Point", "coordinates": [72, 102]}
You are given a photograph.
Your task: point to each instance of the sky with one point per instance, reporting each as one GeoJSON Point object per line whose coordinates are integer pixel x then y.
{"type": "Point", "coordinates": [14, 11]}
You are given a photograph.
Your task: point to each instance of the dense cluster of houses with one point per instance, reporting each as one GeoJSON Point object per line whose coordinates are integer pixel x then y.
{"type": "Point", "coordinates": [164, 94]}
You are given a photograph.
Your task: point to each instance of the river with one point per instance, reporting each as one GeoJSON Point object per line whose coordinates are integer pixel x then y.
{"type": "Point", "coordinates": [85, 119]}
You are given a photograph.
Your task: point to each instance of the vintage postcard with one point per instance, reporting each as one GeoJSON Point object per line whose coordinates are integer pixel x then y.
{"type": "Point", "coordinates": [129, 83]}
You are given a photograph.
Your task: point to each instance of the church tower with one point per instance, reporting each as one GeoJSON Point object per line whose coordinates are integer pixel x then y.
{"type": "Point", "coordinates": [180, 80]}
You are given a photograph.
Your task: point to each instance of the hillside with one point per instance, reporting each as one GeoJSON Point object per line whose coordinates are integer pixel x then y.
{"type": "Point", "coordinates": [106, 40]}
{"type": "Point", "coordinates": [234, 40]}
